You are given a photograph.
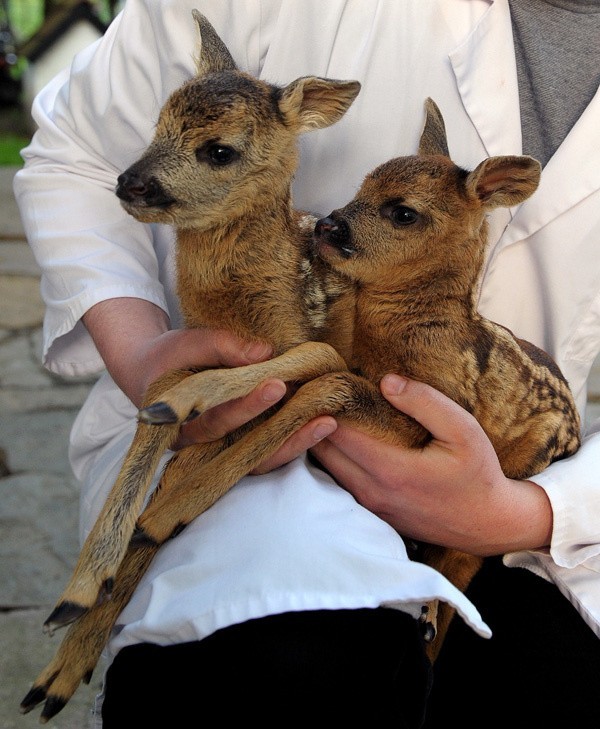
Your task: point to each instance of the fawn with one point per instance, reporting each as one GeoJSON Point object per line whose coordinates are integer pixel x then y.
{"type": "Point", "coordinates": [410, 249]}
{"type": "Point", "coordinates": [219, 169]}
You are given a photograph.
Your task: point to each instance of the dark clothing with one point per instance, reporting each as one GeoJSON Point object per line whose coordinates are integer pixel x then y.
{"type": "Point", "coordinates": [320, 668]}
{"type": "Point", "coordinates": [540, 670]}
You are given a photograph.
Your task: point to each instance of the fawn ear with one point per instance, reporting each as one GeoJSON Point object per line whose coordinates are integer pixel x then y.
{"type": "Point", "coordinates": [504, 181]}
{"type": "Point", "coordinates": [212, 54]}
{"type": "Point", "coordinates": [314, 103]}
{"type": "Point", "coordinates": [433, 137]}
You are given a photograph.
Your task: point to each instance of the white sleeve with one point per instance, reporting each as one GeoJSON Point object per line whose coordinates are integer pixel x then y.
{"type": "Point", "coordinates": [572, 487]}
{"type": "Point", "coordinates": [94, 120]}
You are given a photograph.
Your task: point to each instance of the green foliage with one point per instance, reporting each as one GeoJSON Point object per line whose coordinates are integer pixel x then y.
{"type": "Point", "coordinates": [10, 146]}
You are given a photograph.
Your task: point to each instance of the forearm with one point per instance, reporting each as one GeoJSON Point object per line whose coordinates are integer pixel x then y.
{"type": "Point", "coordinates": [123, 331]}
{"type": "Point", "coordinates": [508, 517]}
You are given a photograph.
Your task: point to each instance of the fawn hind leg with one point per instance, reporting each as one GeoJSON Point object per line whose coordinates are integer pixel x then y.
{"type": "Point", "coordinates": [85, 640]}
{"type": "Point", "coordinates": [105, 546]}
{"type": "Point", "coordinates": [459, 568]}
{"type": "Point", "coordinates": [82, 646]}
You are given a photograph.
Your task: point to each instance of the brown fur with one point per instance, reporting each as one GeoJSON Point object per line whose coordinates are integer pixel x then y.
{"type": "Point", "coordinates": [416, 280]}
{"type": "Point", "coordinates": [219, 169]}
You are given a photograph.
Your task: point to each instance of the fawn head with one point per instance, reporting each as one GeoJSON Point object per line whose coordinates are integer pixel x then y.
{"type": "Point", "coordinates": [225, 142]}
{"type": "Point", "coordinates": [421, 216]}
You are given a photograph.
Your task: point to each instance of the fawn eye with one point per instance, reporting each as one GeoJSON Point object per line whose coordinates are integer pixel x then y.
{"type": "Point", "coordinates": [399, 215]}
{"type": "Point", "coordinates": [216, 154]}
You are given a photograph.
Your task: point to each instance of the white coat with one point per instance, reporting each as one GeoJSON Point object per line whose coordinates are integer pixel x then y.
{"type": "Point", "coordinates": [292, 539]}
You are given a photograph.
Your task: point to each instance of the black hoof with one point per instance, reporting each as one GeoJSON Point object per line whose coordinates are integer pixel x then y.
{"type": "Point", "coordinates": [158, 414]}
{"type": "Point", "coordinates": [63, 614]}
{"type": "Point", "coordinates": [139, 538]}
{"type": "Point", "coordinates": [51, 708]}
{"type": "Point", "coordinates": [429, 632]}
{"type": "Point", "coordinates": [194, 414]}
{"type": "Point", "coordinates": [107, 589]}
{"type": "Point", "coordinates": [34, 697]}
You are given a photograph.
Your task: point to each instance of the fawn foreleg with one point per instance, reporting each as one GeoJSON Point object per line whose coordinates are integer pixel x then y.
{"type": "Point", "coordinates": [340, 394]}
{"type": "Point", "coordinates": [208, 388]}
{"type": "Point", "coordinates": [106, 544]}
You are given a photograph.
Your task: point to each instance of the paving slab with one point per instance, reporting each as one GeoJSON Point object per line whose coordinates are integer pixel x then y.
{"type": "Point", "coordinates": [24, 652]}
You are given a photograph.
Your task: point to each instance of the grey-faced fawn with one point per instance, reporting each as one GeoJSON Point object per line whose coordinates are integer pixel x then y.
{"type": "Point", "coordinates": [219, 169]}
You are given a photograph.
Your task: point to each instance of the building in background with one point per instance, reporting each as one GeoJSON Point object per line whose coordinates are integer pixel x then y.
{"type": "Point", "coordinates": [66, 30]}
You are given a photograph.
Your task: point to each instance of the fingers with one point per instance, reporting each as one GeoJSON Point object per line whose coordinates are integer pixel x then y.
{"type": "Point", "coordinates": [305, 438]}
{"type": "Point", "coordinates": [218, 421]}
{"type": "Point", "coordinates": [350, 456]}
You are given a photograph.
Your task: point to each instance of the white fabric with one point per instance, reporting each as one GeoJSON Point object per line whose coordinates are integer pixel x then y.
{"type": "Point", "coordinates": [292, 540]}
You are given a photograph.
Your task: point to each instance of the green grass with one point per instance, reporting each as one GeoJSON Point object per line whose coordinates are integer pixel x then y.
{"type": "Point", "coordinates": [10, 146]}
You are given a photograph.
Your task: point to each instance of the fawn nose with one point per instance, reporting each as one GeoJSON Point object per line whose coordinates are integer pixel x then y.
{"type": "Point", "coordinates": [335, 232]}
{"type": "Point", "coordinates": [134, 188]}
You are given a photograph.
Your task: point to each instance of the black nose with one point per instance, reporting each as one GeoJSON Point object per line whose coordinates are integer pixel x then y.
{"type": "Point", "coordinates": [132, 187]}
{"type": "Point", "coordinates": [335, 232]}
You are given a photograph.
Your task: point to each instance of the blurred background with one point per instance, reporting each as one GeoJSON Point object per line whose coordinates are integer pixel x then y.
{"type": "Point", "coordinates": [38, 494]}
{"type": "Point", "coordinates": [37, 39]}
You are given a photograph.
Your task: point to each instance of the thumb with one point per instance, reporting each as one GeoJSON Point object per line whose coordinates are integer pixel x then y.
{"type": "Point", "coordinates": [208, 347]}
{"type": "Point", "coordinates": [445, 419]}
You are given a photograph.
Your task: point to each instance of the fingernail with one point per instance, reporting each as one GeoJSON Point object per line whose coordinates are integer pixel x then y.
{"type": "Point", "coordinates": [393, 384]}
{"type": "Point", "coordinates": [322, 431]}
{"type": "Point", "coordinates": [257, 351]}
{"type": "Point", "coordinates": [273, 391]}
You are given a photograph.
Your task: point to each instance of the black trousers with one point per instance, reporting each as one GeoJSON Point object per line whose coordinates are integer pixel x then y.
{"type": "Point", "coordinates": [323, 668]}
{"type": "Point", "coordinates": [540, 670]}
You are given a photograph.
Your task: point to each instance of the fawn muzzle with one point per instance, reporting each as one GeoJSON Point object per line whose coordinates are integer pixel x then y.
{"type": "Point", "coordinates": [136, 189]}
{"type": "Point", "coordinates": [333, 232]}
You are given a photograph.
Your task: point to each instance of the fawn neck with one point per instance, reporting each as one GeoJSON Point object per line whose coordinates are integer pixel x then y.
{"type": "Point", "coordinates": [406, 324]}
{"type": "Point", "coordinates": [246, 276]}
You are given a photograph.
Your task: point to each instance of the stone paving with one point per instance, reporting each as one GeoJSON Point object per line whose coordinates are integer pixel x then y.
{"type": "Point", "coordinates": [38, 494]}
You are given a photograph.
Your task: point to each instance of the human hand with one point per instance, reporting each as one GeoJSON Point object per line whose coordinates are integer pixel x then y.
{"type": "Point", "coordinates": [452, 492]}
{"type": "Point", "coordinates": [137, 346]}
